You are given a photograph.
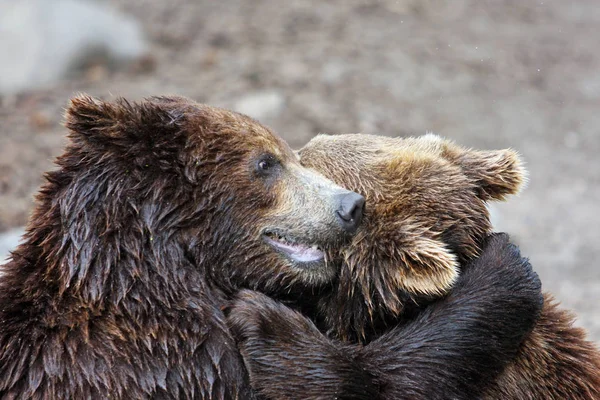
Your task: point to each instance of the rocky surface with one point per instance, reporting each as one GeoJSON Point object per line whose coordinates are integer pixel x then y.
{"type": "Point", "coordinates": [487, 74]}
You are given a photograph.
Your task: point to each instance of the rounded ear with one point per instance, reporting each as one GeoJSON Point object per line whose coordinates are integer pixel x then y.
{"type": "Point", "coordinates": [121, 119]}
{"type": "Point", "coordinates": [429, 268]}
{"type": "Point", "coordinates": [386, 272]}
{"type": "Point", "coordinates": [496, 173]}
{"type": "Point", "coordinates": [85, 115]}
{"type": "Point", "coordinates": [144, 133]}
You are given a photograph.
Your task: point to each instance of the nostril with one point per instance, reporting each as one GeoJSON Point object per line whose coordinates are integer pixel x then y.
{"type": "Point", "coordinates": [359, 206]}
{"type": "Point", "coordinates": [351, 210]}
{"type": "Point", "coordinates": [344, 216]}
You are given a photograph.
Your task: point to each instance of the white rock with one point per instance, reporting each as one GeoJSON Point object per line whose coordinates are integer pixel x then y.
{"type": "Point", "coordinates": [8, 241]}
{"type": "Point", "coordinates": [261, 105]}
{"type": "Point", "coordinates": [42, 40]}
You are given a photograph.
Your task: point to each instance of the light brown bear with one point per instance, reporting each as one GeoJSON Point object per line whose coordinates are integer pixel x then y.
{"type": "Point", "coordinates": [425, 219]}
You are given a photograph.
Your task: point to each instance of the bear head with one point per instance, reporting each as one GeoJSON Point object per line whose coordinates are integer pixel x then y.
{"type": "Point", "coordinates": [151, 193]}
{"type": "Point", "coordinates": [426, 214]}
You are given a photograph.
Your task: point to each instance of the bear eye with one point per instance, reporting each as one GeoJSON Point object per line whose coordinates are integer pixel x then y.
{"type": "Point", "coordinates": [266, 164]}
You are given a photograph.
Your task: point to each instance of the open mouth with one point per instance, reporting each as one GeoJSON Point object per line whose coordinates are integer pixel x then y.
{"type": "Point", "coordinates": [299, 252]}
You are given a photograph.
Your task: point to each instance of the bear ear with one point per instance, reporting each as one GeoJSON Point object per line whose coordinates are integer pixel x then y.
{"type": "Point", "coordinates": [412, 265]}
{"type": "Point", "coordinates": [121, 121]}
{"type": "Point", "coordinates": [429, 267]}
{"type": "Point", "coordinates": [85, 115]}
{"type": "Point", "coordinates": [142, 134]}
{"type": "Point", "coordinates": [496, 173]}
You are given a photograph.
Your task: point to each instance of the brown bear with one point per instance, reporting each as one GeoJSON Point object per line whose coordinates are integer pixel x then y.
{"type": "Point", "coordinates": [157, 215]}
{"type": "Point", "coordinates": [425, 219]}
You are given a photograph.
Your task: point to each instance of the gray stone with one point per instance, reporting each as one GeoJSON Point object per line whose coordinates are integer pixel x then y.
{"type": "Point", "coordinates": [42, 41]}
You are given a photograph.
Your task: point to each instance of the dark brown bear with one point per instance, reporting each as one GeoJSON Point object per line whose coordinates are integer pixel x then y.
{"type": "Point", "coordinates": [425, 217]}
{"type": "Point", "coordinates": [158, 213]}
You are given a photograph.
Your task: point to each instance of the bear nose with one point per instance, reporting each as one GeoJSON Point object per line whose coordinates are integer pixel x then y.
{"type": "Point", "coordinates": [350, 211]}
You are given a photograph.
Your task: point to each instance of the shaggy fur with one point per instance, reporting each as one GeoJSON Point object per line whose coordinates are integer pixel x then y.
{"type": "Point", "coordinates": [426, 215]}
{"type": "Point", "coordinates": [452, 350]}
{"type": "Point", "coordinates": [155, 217]}
{"type": "Point", "coordinates": [425, 218]}
{"type": "Point", "coordinates": [431, 189]}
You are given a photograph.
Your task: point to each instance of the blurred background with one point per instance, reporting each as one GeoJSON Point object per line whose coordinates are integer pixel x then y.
{"type": "Point", "coordinates": [487, 74]}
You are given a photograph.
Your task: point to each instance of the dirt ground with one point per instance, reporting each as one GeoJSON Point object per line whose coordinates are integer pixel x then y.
{"type": "Point", "coordinates": [487, 74]}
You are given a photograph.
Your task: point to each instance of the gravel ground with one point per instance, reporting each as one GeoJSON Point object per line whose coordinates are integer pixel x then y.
{"type": "Point", "coordinates": [487, 74]}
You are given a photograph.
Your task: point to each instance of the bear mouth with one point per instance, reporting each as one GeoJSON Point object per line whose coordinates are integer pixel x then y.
{"type": "Point", "coordinates": [294, 249]}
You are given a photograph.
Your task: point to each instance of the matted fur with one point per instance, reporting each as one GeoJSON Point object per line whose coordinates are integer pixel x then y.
{"type": "Point", "coordinates": [453, 349]}
{"type": "Point", "coordinates": [152, 219]}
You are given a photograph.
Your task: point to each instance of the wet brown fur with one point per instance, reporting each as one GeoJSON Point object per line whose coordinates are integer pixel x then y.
{"type": "Point", "coordinates": [149, 225]}
{"type": "Point", "coordinates": [397, 342]}
{"type": "Point", "coordinates": [453, 349]}
{"type": "Point", "coordinates": [150, 222]}
{"type": "Point", "coordinates": [425, 217]}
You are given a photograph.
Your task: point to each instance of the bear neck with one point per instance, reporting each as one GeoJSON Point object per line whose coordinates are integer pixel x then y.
{"type": "Point", "coordinates": [351, 316]}
{"type": "Point", "coordinates": [89, 246]}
